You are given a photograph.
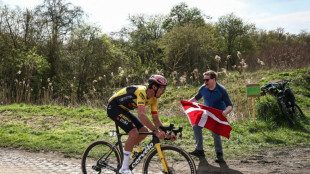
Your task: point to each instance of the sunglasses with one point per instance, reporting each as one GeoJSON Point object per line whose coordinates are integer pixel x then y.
{"type": "Point", "coordinates": [206, 80]}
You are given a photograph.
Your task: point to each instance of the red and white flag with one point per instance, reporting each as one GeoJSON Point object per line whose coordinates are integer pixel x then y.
{"type": "Point", "coordinates": [207, 117]}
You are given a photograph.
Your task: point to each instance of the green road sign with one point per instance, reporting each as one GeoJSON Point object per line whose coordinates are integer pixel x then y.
{"type": "Point", "coordinates": [253, 90]}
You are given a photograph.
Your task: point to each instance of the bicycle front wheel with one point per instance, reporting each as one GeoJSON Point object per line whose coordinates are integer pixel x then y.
{"type": "Point", "coordinates": [286, 112]}
{"type": "Point", "coordinates": [298, 112]}
{"type": "Point", "coordinates": [178, 160]}
{"type": "Point", "coordinates": [101, 157]}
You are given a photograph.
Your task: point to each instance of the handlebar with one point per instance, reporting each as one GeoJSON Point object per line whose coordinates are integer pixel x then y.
{"type": "Point", "coordinates": [276, 87]}
{"type": "Point", "coordinates": [170, 129]}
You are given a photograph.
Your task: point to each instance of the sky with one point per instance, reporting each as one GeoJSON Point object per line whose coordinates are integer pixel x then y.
{"type": "Point", "coordinates": [112, 15]}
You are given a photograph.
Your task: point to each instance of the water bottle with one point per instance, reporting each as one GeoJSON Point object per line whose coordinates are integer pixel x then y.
{"type": "Point", "coordinates": [136, 151]}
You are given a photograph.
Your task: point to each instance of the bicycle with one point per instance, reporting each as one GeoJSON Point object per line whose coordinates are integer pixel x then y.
{"type": "Point", "coordinates": [103, 156]}
{"type": "Point", "coordinates": [285, 99]}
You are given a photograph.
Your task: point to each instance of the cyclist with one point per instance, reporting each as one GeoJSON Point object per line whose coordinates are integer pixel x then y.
{"type": "Point", "coordinates": [132, 97]}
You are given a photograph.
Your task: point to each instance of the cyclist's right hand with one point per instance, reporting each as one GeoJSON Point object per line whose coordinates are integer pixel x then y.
{"type": "Point", "coordinates": [160, 134]}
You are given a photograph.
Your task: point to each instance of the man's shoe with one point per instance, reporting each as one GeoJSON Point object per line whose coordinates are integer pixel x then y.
{"type": "Point", "coordinates": [197, 152]}
{"type": "Point", "coordinates": [219, 158]}
{"type": "Point", "coordinates": [124, 171]}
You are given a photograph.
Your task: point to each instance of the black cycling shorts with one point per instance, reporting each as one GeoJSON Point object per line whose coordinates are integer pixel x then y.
{"type": "Point", "coordinates": [124, 119]}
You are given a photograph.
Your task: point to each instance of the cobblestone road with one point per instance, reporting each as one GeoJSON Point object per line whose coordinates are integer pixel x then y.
{"type": "Point", "coordinates": [22, 162]}
{"type": "Point", "coordinates": [286, 160]}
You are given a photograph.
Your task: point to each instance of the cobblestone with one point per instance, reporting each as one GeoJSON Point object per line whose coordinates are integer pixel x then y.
{"type": "Point", "coordinates": [22, 162]}
{"type": "Point", "coordinates": [286, 160]}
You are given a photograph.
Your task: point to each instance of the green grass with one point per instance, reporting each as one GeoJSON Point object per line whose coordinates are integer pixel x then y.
{"type": "Point", "coordinates": [70, 130]}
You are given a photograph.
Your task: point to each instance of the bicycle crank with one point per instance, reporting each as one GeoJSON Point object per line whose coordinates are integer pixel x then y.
{"type": "Point", "coordinates": [96, 168]}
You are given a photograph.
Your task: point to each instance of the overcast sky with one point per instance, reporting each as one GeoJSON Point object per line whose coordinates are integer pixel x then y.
{"type": "Point", "coordinates": [112, 15]}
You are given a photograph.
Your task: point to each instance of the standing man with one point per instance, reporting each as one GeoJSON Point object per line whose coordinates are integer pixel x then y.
{"type": "Point", "coordinates": [138, 97]}
{"type": "Point", "coordinates": [214, 95]}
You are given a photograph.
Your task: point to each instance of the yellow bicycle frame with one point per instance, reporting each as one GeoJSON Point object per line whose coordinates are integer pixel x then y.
{"type": "Point", "coordinates": [162, 157]}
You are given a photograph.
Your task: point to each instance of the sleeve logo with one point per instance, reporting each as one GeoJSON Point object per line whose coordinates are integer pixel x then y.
{"type": "Point", "coordinates": [142, 96]}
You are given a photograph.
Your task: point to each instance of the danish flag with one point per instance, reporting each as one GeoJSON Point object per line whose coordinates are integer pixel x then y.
{"type": "Point", "coordinates": [207, 117]}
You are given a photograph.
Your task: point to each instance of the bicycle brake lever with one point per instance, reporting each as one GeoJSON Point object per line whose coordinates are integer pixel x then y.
{"type": "Point", "coordinates": [171, 126]}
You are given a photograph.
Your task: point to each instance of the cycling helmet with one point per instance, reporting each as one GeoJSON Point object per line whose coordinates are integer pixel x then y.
{"type": "Point", "coordinates": [158, 80]}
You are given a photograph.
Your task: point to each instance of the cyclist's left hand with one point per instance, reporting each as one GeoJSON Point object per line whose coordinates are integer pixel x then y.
{"type": "Point", "coordinates": [160, 134]}
{"type": "Point", "coordinates": [171, 137]}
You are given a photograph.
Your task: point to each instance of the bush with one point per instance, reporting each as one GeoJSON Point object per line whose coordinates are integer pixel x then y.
{"type": "Point", "coordinates": [267, 108]}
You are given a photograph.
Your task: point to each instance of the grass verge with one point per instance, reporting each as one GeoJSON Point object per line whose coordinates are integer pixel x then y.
{"type": "Point", "coordinates": [70, 130]}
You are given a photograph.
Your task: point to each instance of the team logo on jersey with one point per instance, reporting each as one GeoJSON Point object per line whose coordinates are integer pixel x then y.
{"type": "Point", "coordinates": [142, 96]}
{"type": "Point", "coordinates": [130, 105]}
{"type": "Point", "coordinates": [141, 103]}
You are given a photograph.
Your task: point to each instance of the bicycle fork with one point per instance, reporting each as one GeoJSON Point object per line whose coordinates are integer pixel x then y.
{"type": "Point", "coordinates": [162, 157]}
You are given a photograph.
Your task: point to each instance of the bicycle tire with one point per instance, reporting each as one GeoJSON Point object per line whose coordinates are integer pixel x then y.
{"type": "Point", "coordinates": [298, 112]}
{"type": "Point", "coordinates": [288, 115]}
{"type": "Point", "coordinates": [101, 157]}
{"type": "Point", "coordinates": [178, 160]}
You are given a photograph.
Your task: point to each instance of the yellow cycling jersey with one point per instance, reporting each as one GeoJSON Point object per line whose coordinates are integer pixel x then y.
{"type": "Point", "coordinates": [131, 97]}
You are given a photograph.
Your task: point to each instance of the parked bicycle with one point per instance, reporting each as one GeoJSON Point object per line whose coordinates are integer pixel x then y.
{"type": "Point", "coordinates": [104, 157]}
{"type": "Point", "coordinates": [285, 99]}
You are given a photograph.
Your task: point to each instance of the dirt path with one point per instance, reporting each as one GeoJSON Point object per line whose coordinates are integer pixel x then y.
{"type": "Point", "coordinates": [287, 160]}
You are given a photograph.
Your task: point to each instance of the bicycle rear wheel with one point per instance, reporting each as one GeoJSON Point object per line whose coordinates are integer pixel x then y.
{"type": "Point", "coordinates": [101, 157]}
{"type": "Point", "coordinates": [178, 160]}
